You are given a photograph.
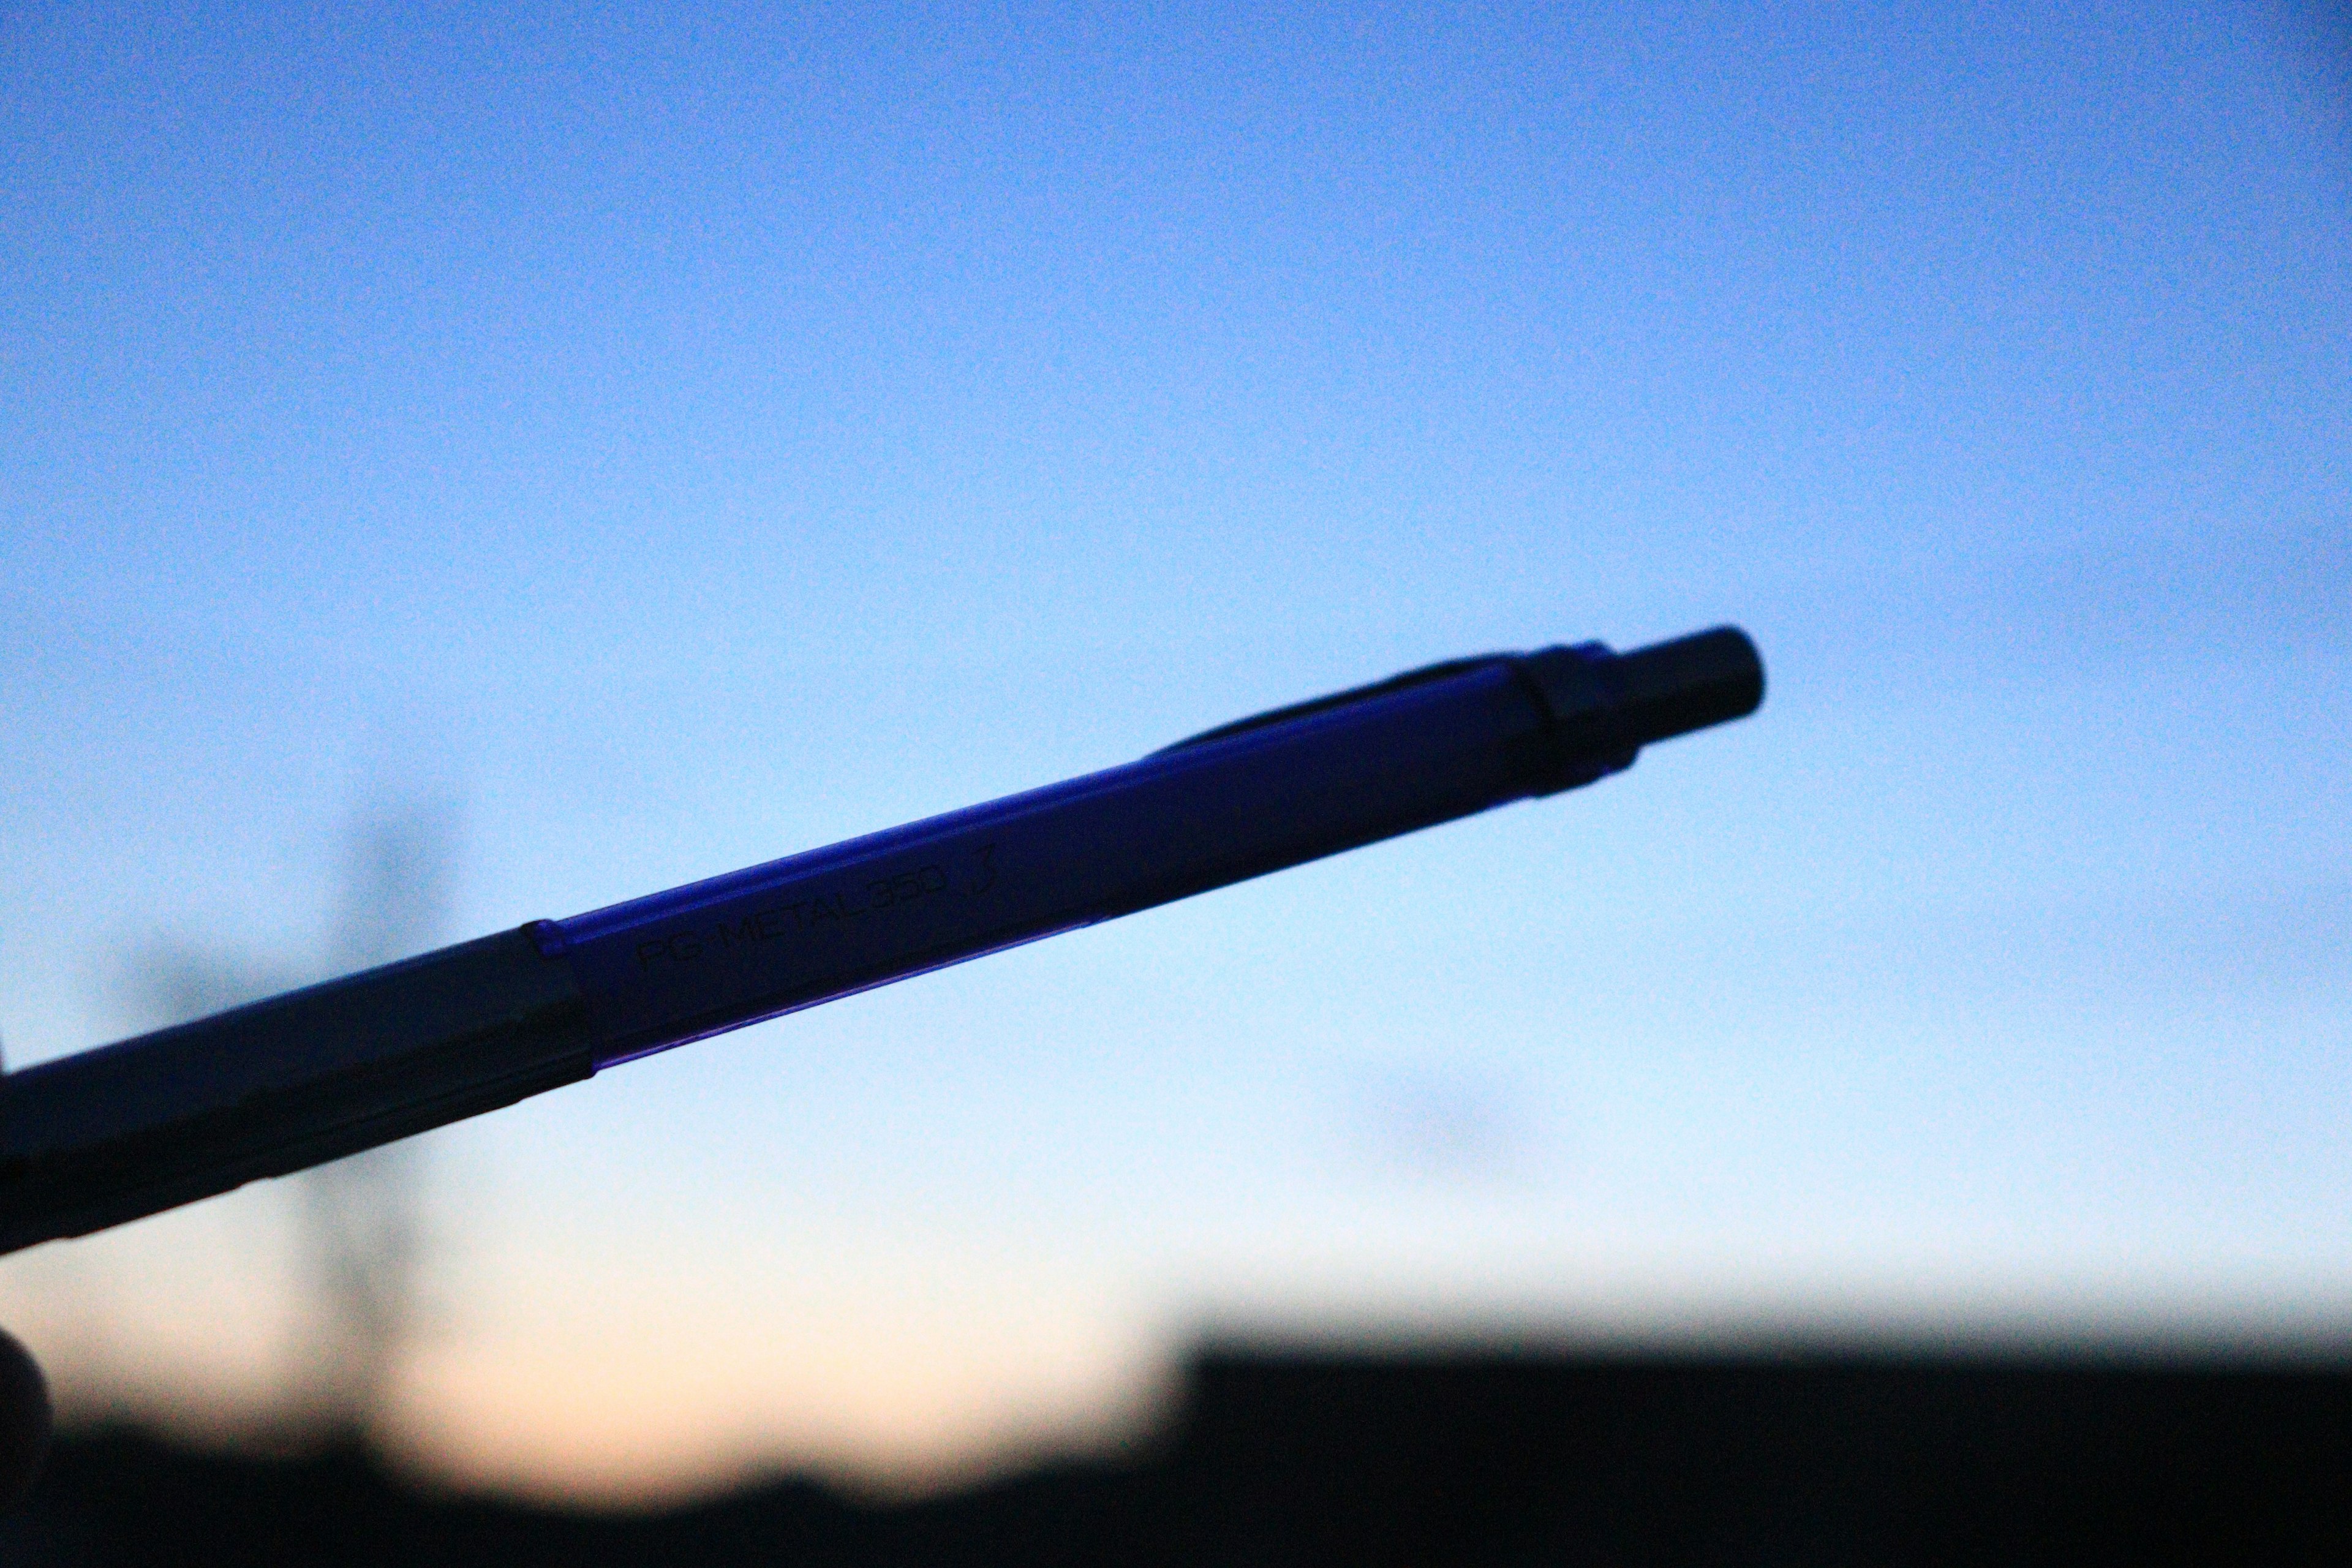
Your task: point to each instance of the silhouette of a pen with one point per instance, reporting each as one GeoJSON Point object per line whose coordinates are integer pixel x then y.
{"type": "Point", "coordinates": [140, 1126]}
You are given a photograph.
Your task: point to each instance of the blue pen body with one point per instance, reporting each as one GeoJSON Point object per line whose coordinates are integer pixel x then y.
{"type": "Point", "coordinates": [147, 1123]}
{"type": "Point", "coordinates": [660, 971]}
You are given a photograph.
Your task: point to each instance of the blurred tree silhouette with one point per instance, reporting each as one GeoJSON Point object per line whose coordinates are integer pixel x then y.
{"type": "Point", "coordinates": [360, 1233]}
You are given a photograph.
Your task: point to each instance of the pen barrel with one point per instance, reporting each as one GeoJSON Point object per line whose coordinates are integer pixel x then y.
{"type": "Point", "coordinates": [165, 1119]}
{"type": "Point", "coordinates": [1292, 786]}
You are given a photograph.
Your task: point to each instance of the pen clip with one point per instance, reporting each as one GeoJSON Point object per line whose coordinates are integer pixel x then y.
{"type": "Point", "coordinates": [1313, 705]}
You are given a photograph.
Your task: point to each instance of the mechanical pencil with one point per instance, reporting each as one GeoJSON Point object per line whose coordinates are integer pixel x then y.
{"type": "Point", "coordinates": [130, 1128]}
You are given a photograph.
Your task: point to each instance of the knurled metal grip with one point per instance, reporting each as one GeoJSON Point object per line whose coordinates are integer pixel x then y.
{"type": "Point", "coordinates": [281, 1085]}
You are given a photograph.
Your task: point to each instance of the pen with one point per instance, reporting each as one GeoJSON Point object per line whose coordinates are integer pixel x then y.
{"type": "Point", "coordinates": [134, 1128]}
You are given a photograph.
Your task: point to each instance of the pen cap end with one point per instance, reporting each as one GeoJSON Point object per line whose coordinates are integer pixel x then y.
{"type": "Point", "coordinates": [1673, 687]}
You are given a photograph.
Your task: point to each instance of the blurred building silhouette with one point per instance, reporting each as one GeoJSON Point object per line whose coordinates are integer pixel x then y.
{"type": "Point", "coordinates": [1311, 1458]}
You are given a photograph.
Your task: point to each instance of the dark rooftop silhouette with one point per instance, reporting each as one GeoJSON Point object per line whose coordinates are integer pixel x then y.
{"type": "Point", "coordinates": [1305, 1457]}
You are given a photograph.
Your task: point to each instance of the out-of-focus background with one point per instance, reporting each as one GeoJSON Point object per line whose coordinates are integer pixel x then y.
{"type": "Point", "coordinates": [461, 465]}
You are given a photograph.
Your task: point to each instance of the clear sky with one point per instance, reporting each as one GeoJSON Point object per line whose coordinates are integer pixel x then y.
{"type": "Point", "coordinates": [671, 439]}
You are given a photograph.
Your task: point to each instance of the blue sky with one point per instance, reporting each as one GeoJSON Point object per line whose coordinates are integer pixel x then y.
{"type": "Point", "coordinates": [677, 440]}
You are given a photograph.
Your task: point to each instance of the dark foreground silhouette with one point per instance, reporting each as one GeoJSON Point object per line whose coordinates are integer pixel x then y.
{"type": "Point", "coordinates": [1369, 1459]}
